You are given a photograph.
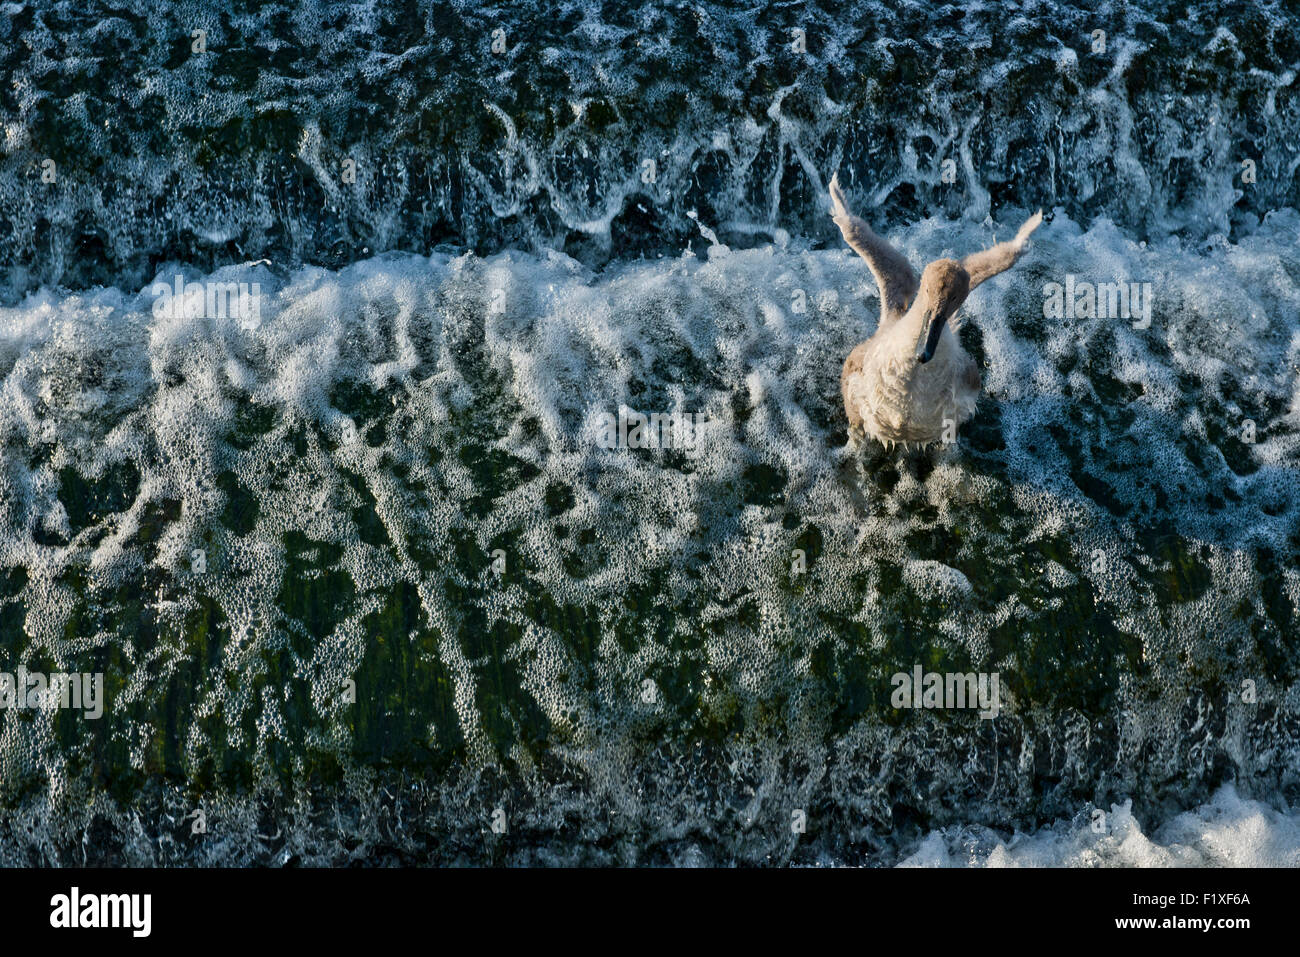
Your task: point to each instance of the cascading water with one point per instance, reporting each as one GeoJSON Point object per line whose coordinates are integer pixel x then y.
{"type": "Point", "coordinates": [362, 576]}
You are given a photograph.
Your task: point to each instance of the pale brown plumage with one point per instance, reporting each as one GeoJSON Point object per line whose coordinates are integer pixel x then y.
{"type": "Point", "coordinates": [911, 382]}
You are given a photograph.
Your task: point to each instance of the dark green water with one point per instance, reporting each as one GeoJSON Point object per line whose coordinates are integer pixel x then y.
{"type": "Point", "coordinates": [362, 582]}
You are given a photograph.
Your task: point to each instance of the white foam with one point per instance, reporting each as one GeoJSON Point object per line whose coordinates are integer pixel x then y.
{"type": "Point", "coordinates": [1226, 831]}
{"type": "Point", "coordinates": [456, 358]}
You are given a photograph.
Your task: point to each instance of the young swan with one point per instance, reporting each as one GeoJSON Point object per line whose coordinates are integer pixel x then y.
{"type": "Point", "coordinates": [911, 381]}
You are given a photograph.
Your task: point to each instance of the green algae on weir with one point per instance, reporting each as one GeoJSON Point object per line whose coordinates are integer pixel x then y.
{"type": "Point", "coordinates": [362, 581]}
{"type": "Point", "coordinates": [238, 698]}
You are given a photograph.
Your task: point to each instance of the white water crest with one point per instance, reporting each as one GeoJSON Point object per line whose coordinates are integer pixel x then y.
{"type": "Point", "coordinates": [351, 465]}
{"type": "Point", "coordinates": [1226, 831]}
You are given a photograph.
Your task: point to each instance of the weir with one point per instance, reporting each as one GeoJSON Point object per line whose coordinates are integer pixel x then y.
{"type": "Point", "coordinates": [359, 574]}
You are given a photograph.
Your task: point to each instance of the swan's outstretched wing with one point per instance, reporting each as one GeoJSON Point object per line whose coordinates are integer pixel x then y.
{"type": "Point", "coordinates": [893, 274]}
{"type": "Point", "coordinates": [990, 262]}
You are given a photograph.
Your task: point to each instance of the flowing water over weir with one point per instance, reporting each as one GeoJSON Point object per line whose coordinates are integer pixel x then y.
{"type": "Point", "coordinates": [363, 581]}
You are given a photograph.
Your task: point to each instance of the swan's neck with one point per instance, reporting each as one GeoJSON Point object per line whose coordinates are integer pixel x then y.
{"type": "Point", "coordinates": [912, 328]}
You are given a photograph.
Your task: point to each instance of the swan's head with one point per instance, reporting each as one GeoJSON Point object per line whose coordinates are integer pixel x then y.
{"type": "Point", "coordinates": [944, 287]}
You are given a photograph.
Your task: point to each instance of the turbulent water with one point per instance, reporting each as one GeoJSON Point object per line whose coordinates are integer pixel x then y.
{"type": "Point", "coordinates": [364, 582]}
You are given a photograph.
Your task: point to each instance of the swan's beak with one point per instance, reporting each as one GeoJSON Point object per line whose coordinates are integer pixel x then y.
{"type": "Point", "coordinates": [933, 330]}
